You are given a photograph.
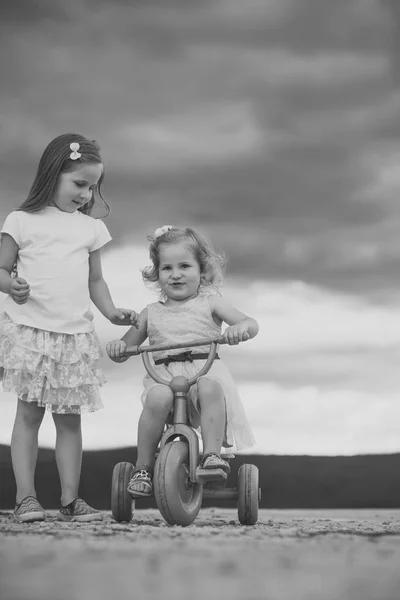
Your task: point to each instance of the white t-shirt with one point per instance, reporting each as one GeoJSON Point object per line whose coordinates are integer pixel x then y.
{"type": "Point", "coordinates": [53, 258]}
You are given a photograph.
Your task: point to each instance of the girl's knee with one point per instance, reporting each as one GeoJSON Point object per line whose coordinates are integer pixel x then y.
{"type": "Point", "coordinates": [159, 398]}
{"type": "Point", "coordinates": [208, 388]}
{"type": "Point", "coordinates": [67, 422]}
{"type": "Point", "coordinates": [30, 413]}
{"type": "Point", "coordinates": [209, 393]}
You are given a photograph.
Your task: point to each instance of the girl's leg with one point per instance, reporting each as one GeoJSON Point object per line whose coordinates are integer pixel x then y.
{"type": "Point", "coordinates": [68, 454]}
{"type": "Point", "coordinates": [212, 414]}
{"type": "Point", "coordinates": [24, 447]}
{"type": "Point", "coordinates": [155, 412]}
{"type": "Point", "coordinates": [69, 462]}
{"type": "Point", "coordinates": [151, 425]}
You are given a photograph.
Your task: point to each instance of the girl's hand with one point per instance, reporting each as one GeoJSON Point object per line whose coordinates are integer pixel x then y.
{"type": "Point", "coordinates": [19, 290]}
{"type": "Point", "coordinates": [236, 333]}
{"type": "Point", "coordinates": [116, 350]}
{"type": "Point", "coordinates": [124, 316]}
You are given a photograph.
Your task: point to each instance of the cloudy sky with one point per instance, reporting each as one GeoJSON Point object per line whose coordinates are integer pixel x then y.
{"type": "Point", "coordinates": [271, 125]}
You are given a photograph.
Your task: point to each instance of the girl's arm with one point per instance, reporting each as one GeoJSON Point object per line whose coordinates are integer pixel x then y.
{"type": "Point", "coordinates": [16, 287]}
{"type": "Point", "coordinates": [241, 327]}
{"type": "Point", "coordinates": [133, 337]}
{"type": "Point", "coordinates": [101, 297]}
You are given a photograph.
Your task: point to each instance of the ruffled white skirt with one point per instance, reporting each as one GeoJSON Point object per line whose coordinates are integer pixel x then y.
{"type": "Point", "coordinates": [58, 371]}
{"type": "Point", "coordinates": [238, 433]}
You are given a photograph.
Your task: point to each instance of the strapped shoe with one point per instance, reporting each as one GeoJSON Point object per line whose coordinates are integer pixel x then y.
{"type": "Point", "coordinates": [212, 460]}
{"type": "Point", "coordinates": [141, 476]}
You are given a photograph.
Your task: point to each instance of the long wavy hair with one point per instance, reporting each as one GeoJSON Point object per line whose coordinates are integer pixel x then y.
{"type": "Point", "coordinates": [211, 263]}
{"type": "Point", "coordinates": [56, 160]}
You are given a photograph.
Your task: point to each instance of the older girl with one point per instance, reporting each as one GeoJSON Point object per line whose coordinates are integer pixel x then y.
{"type": "Point", "coordinates": [50, 268]}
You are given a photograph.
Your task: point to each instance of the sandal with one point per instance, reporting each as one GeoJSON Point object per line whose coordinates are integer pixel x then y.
{"type": "Point", "coordinates": [212, 460]}
{"type": "Point", "coordinates": [141, 475]}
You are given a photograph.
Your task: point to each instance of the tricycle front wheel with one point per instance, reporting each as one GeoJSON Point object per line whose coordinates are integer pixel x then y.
{"type": "Point", "coordinates": [178, 499]}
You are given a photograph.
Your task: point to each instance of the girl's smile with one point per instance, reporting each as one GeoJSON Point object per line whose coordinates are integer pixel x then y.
{"type": "Point", "coordinates": [75, 188]}
{"type": "Point", "coordinates": [179, 272]}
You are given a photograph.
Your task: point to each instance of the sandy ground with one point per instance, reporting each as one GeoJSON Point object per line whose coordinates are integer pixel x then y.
{"type": "Point", "coordinates": [321, 555]}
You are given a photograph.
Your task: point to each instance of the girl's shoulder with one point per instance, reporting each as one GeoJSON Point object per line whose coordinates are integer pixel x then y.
{"type": "Point", "coordinates": [23, 216]}
{"type": "Point", "coordinates": [17, 213]}
{"type": "Point", "coordinates": [213, 295]}
{"type": "Point", "coordinates": [22, 225]}
{"type": "Point", "coordinates": [216, 301]}
{"type": "Point", "coordinates": [86, 218]}
{"type": "Point", "coordinates": [52, 215]}
{"type": "Point", "coordinates": [156, 306]}
{"type": "Point", "coordinates": [12, 225]}
{"type": "Point", "coordinates": [13, 216]}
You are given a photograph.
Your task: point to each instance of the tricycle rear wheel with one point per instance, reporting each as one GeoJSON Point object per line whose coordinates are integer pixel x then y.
{"type": "Point", "coordinates": [122, 503]}
{"type": "Point", "coordinates": [248, 494]}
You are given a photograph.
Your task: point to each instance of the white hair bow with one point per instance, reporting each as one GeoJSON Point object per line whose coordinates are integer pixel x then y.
{"type": "Point", "coordinates": [161, 230]}
{"type": "Point", "coordinates": [74, 154]}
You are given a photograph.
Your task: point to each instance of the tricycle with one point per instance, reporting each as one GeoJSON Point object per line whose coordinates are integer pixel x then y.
{"type": "Point", "coordinates": [179, 483]}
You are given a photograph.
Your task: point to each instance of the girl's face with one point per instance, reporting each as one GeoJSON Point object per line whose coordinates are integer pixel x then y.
{"type": "Point", "coordinates": [179, 272]}
{"type": "Point", "coordinates": [75, 188]}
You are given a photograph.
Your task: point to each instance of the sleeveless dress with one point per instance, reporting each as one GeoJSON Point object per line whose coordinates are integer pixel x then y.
{"type": "Point", "coordinates": [189, 321]}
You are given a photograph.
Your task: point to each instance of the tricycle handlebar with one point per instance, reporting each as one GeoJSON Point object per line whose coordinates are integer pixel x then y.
{"type": "Point", "coordinates": [135, 350]}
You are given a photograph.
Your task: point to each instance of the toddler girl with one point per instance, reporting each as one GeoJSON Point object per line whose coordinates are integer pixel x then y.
{"type": "Point", "coordinates": [50, 267]}
{"type": "Point", "coordinates": [185, 268]}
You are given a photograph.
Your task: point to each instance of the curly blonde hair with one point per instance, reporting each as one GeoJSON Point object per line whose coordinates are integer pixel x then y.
{"type": "Point", "coordinates": [211, 263]}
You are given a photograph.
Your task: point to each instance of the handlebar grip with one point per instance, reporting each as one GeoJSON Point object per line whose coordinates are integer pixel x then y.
{"type": "Point", "coordinates": [132, 351]}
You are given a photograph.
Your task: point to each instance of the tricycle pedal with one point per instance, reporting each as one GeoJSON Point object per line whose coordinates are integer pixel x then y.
{"type": "Point", "coordinates": [227, 456]}
{"type": "Point", "coordinates": [204, 476]}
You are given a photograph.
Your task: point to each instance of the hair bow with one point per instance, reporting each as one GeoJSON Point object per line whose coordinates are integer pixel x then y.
{"type": "Point", "coordinates": [74, 154]}
{"type": "Point", "coordinates": [161, 230]}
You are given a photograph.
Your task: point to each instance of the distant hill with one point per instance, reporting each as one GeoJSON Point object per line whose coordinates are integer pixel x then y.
{"type": "Point", "coordinates": [365, 481]}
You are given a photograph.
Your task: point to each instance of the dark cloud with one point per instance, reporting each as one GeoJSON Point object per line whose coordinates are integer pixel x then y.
{"type": "Point", "coordinates": [391, 8]}
{"type": "Point", "coordinates": [302, 25]}
{"type": "Point", "coordinates": [255, 121]}
{"type": "Point", "coordinates": [26, 12]}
